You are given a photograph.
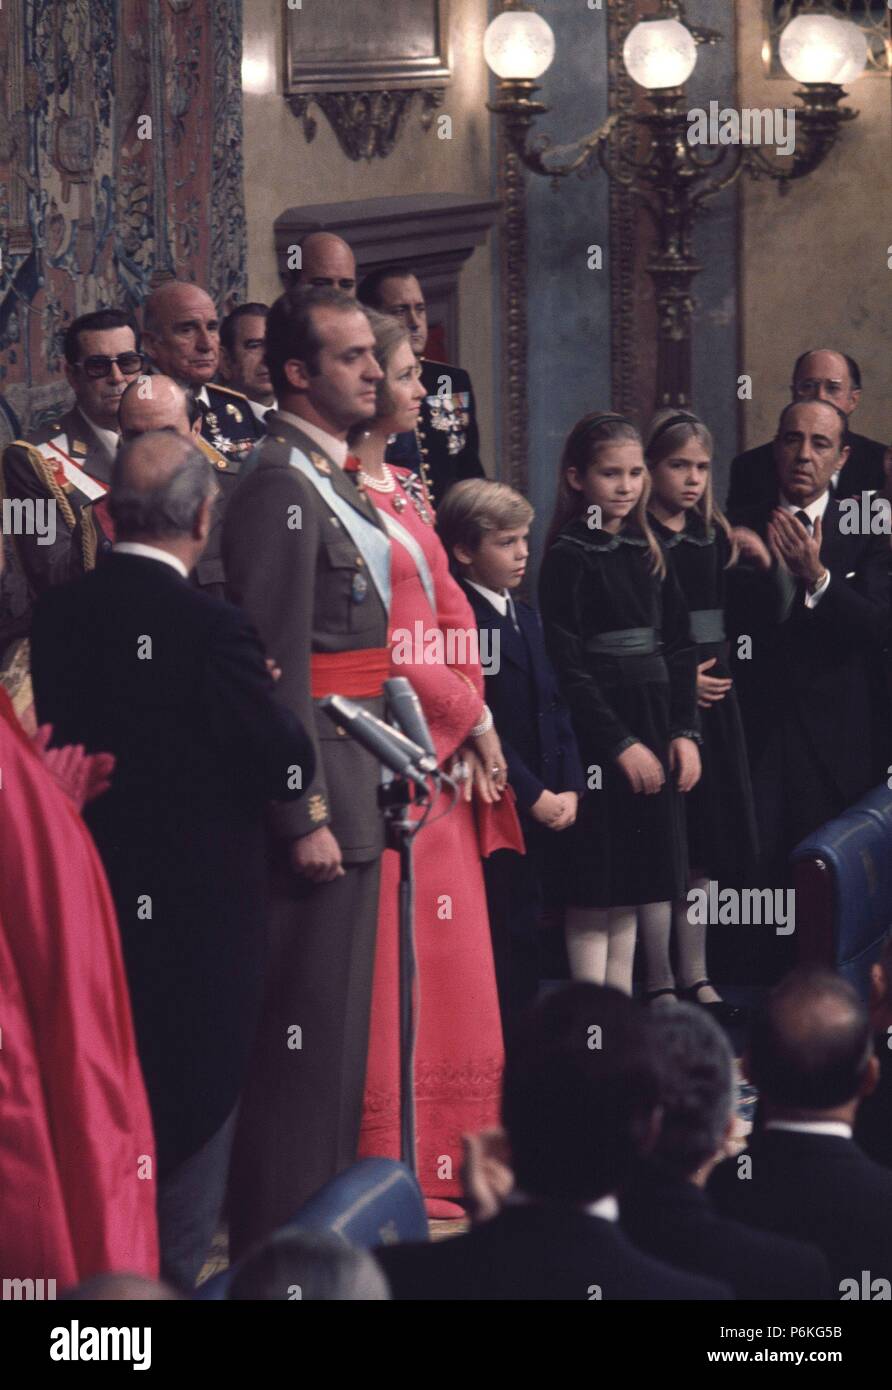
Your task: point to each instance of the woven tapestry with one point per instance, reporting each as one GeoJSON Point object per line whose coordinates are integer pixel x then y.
{"type": "Point", "coordinates": [120, 165]}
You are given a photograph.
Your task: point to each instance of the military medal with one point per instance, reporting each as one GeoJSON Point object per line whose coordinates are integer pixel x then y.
{"type": "Point", "coordinates": [320, 463]}
{"type": "Point", "coordinates": [360, 588]}
{"type": "Point", "coordinates": [234, 410]}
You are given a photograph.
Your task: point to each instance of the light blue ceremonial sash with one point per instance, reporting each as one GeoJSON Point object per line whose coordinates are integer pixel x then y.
{"type": "Point", "coordinates": [405, 538]}
{"type": "Point", "coordinates": [371, 542]}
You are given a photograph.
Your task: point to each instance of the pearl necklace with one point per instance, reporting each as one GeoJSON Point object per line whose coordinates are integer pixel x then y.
{"type": "Point", "coordinates": [387, 484]}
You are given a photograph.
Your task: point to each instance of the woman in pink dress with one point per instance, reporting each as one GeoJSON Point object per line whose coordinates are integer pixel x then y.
{"type": "Point", "coordinates": [458, 1054]}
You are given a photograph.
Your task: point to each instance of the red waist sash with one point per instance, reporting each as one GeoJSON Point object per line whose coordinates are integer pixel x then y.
{"type": "Point", "coordinates": [359, 675]}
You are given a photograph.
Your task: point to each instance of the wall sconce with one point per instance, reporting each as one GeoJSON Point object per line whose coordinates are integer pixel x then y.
{"type": "Point", "coordinates": [653, 154]}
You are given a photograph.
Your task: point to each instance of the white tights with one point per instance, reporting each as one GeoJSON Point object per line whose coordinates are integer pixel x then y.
{"type": "Point", "coordinates": [601, 944]}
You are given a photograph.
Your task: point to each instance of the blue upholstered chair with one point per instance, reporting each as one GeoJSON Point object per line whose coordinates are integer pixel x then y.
{"type": "Point", "coordinates": [842, 874]}
{"type": "Point", "coordinates": [375, 1202]}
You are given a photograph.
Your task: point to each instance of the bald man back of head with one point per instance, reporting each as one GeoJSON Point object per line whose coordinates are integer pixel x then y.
{"type": "Point", "coordinates": [326, 259]}
{"type": "Point", "coordinates": [157, 403]}
{"type": "Point", "coordinates": [161, 490]}
{"type": "Point", "coordinates": [810, 1046]}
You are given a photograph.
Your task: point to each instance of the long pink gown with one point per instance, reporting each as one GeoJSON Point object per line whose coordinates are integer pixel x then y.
{"type": "Point", "coordinates": [459, 1056]}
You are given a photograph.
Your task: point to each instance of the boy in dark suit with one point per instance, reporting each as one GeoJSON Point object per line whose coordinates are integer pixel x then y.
{"type": "Point", "coordinates": [485, 528]}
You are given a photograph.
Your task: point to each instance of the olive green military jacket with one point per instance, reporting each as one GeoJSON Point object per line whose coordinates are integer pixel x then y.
{"type": "Point", "coordinates": [292, 566]}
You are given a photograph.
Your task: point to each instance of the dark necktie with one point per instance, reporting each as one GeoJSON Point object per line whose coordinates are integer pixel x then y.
{"type": "Point", "coordinates": [805, 519]}
{"type": "Point", "coordinates": [512, 613]}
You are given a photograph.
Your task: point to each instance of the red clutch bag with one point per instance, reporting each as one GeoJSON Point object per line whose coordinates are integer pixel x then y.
{"type": "Point", "coordinates": [498, 826]}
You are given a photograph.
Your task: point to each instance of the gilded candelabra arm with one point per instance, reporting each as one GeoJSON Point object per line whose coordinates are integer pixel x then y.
{"type": "Point", "coordinates": [819, 120]}
{"type": "Point", "coordinates": [557, 161]}
{"type": "Point", "coordinates": [710, 188]}
{"type": "Point", "coordinates": [517, 103]}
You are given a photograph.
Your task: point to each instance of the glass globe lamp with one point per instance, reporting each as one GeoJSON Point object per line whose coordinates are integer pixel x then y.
{"type": "Point", "coordinates": [815, 48]}
{"type": "Point", "coordinates": [660, 53]}
{"type": "Point", "coordinates": [518, 45]}
{"type": "Point", "coordinates": [857, 59]}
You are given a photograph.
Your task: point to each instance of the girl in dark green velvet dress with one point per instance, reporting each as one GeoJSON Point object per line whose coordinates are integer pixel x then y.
{"type": "Point", "coordinates": [700, 547]}
{"type": "Point", "coordinates": [617, 633]}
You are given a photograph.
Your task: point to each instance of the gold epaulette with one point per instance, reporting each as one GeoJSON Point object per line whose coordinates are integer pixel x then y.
{"type": "Point", "coordinates": [47, 475]}
{"type": "Point", "coordinates": [214, 455]}
{"type": "Point", "coordinates": [227, 391]}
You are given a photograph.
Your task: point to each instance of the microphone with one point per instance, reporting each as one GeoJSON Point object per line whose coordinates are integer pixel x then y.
{"type": "Point", "coordinates": [387, 744]}
{"type": "Point", "coordinates": [405, 707]}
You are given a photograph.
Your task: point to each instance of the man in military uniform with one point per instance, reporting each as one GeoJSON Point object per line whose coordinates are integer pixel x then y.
{"type": "Point", "coordinates": [243, 357]}
{"type": "Point", "coordinates": [62, 472]}
{"type": "Point", "coordinates": [309, 561]}
{"type": "Point", "coordinates": [445, 446]}
{"type": "Point", "coordinates": [181, 331]}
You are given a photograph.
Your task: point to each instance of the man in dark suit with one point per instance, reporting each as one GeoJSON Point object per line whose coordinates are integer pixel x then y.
{"type": "Point", "coordinates": [445, 446]}
{"type": "Point", "coordinates": [133, 660]}
{"type": "Point", "coordinates": [664, 1208]}
{"type": "Point", "coordinates": [485, 528]}
{"type": "Point", "coordinates": [818, 375]}
{"type": "Point", "coordinates": [873, 1128]}
{"type": "Point", "coordinates": [63, 469]}
{"type": "Point", "coordinates": [811, 625]}
{"type": "Point", "coordinates": [579, 1104]}
{"type": "Point", "coordinates": [309, 561]}
{"type": "Point", "coordinates": [811, 1058]}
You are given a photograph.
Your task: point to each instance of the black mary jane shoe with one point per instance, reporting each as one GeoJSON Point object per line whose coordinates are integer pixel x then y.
{"type": "Point", "coordinates": [651, 995]}
{"type": "Point", "coordinates": [721, 1010]}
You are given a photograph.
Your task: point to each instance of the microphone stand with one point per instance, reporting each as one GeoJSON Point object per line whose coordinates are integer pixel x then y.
{"type": "Point", "coordinates": [396, 799]}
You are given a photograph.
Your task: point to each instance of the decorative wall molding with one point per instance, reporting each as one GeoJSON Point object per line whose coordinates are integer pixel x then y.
{"type": "Point", "coordinates": [367, 124]}
{"type": "Point", "coordinates": [362, 63]}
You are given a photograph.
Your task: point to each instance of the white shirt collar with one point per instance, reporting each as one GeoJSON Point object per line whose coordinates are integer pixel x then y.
{"type": "Point", "coordinates": [150, 552]}
{"type": "Point", "coordinates": [605, 1207]}
{"type": "Point", "coordinates": [812, 511]}
{"type": "Point", "coordinates": [834, 1127]}
{"type": "Point", "coordinates": [202, 396]}
{"type": "Point", "coordinates": [498, 600]}
{"type": "Point", "coordinates": [261, 411]}
{"type": "Point", "coordinates": [109, 439]}
{"type": "Point", "coordinates": [335, 448]}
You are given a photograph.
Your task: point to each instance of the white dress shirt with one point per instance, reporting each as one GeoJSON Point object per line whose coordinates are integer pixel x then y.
{"type": "Point", "coordinates": [335, 448]}
{"type": "Point", "coordinates": [498, 600]}
{"type": "Point", "coordinates": [109, 439]}
{"type": "Point", "coordinates": [261, 411]}
{"type": "Point", "coordinates": [150, 552]}
{"type": "Point", "coordinates": [502, 602]}
{"type": "Point", "coordinates": [834, 1127]}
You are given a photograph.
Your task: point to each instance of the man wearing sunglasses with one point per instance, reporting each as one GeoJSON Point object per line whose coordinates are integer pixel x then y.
{"type": "Point", "coordinates": [62, 471]}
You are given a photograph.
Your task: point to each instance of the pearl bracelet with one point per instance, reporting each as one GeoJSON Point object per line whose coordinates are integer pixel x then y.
{"type": "Point", "coordinates": [485, 724]}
